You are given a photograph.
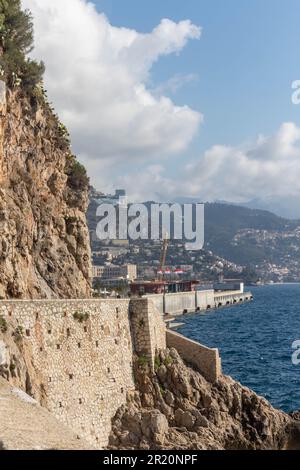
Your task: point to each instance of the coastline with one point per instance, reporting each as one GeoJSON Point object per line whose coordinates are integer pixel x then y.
{"type": "Point", "coordinates": [255, 340]}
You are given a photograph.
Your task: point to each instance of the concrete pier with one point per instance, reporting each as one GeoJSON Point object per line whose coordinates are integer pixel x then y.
{"type": "Point", "coordinates": [197, 301]}
{"type": "Point", "coordinates": [225, 299]}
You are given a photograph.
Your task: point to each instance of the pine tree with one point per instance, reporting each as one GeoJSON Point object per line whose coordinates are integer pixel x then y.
{"type": "Point", "coordinates": [16, 41]}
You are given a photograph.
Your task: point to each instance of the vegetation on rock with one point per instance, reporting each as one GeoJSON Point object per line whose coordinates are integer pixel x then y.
{"type": "Point", "coordinates": [81, 317]}
{"type": "Point", "coordinates": [143, 361]}
{"type": "Point", "coordinates": [18, 334]}
{"type": "Point", "coordinates": [3, 325]}
{"type": "Point", "coordinates": [176, 408]}
{"type": "Point", "coordinates": [77, 175]}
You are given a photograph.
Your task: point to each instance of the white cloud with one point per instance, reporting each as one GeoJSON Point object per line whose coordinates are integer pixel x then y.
{"type": "Point", "coordinates": [151, 183]}
{"type": "Point", "coordinates": [96, 76]}
{"type": "Point", "coordinates": [266, 169]}
{"type": "Point", "coordinates": [173, 84]}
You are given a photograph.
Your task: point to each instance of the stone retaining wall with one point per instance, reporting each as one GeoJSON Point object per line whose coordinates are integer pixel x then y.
{"type": "Point", "coordinates": [148, 328]}
{"type": "Point", "coordinates": [206, 360]}
{"type": "Point", "coordinates": [80, 353]}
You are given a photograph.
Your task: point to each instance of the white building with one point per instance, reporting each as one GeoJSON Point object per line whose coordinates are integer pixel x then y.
{"type": "Point", "coordinates": [110, 271]}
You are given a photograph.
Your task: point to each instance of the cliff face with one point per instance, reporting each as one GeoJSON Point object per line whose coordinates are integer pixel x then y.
{"type": "Point", "coordinates": [44, 245]}
{"type": "Point", "coordinates": [176, 408]}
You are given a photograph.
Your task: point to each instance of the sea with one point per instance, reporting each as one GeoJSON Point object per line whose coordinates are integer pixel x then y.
{"type": "Point", "coordinates": [256, 341]}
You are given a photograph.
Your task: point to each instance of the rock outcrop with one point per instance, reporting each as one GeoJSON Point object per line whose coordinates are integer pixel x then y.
{"type": "Point", "coordinates": [16, 365]}
{"type": "Point", "coordinates": [176, 408]}
{"type": "Point", "coordinates": [44, 246]}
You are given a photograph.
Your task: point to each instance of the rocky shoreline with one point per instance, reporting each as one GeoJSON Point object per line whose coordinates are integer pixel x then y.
{"type": "Point", "coordinates": [176, 408]}
{"type": "Point", "coordinates": [172, 408]}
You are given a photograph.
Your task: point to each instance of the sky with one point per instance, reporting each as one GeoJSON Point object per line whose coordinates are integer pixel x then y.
{"type": "Point", "coordinates": [177, 98]}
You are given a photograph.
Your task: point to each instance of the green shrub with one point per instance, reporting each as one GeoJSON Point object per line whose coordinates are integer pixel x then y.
{"type": "Point", "coordinates": [77, 175]}
{"type": "Point", "coordinates": [157, 363]}
{"type": "Point", "coordinates": [168, 361]}
{"type": "Point", "coordinates": [18, 333]}
{"type": "Point", "coordinates": [143, 361]}
{"type": "Point", "coordinates": [32, 75]}
{"type": "Point", "coordinates": [3, 325]}
{"type": "Point", "coordinates": [81, 317]}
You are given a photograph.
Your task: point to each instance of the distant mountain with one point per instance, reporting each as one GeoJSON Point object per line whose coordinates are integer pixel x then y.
{"type": "Point", "coordinates": [285, 207]}
{"type": "Point", "coordinates": [288, 207]}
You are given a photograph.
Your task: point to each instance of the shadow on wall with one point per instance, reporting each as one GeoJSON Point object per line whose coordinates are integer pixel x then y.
{"type": "Point", "coordinates": [294, 436]}
{"type": "Point", "coordinates": [2, 446]}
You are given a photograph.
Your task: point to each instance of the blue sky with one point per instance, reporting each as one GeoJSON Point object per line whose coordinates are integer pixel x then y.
{"type": "Point", "coordinates": [245, 61]}
{"type": "Point", "coordinates": [229, 132]}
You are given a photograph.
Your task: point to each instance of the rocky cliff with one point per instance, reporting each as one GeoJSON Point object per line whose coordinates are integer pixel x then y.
{"type": "Point", "coordinates": [176, 408]}
{"type": "Point", "coordinates": [44, 245]}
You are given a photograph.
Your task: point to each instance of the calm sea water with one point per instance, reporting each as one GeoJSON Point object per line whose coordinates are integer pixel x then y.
{"type": "Point", "coordinates": [255, 342]}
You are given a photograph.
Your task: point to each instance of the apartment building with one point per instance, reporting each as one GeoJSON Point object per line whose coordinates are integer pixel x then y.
{"type": "Point", "coordinates": [110, 271]}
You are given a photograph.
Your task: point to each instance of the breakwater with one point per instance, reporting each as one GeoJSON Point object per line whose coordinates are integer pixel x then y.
{"type": "Point", "coordinates": [188, 302]}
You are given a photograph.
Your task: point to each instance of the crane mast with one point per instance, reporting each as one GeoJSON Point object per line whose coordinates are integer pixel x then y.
{"type": "Point", "coordinates": [163, 257]}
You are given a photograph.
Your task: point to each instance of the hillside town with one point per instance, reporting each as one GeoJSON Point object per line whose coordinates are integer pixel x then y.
{"type": "Point", "coordinates": [274, 255]}
{"type": "Point", "coordinates": [116, 263]}
{"type": "Point", "coordinates": [282, 248]}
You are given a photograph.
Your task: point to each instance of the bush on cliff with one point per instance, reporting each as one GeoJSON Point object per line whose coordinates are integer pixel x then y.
{"type": "Point", "coordinates": [3, 325]}
{"type": "Point", "coordinates": [77, 175]}
{"type": "Point", "coordinates": [16, 41]}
